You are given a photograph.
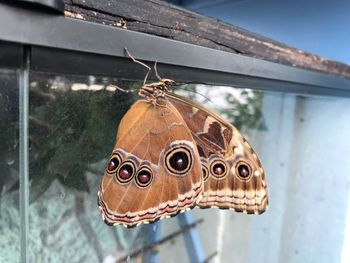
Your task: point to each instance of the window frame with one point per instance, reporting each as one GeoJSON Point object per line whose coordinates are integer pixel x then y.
{"type": "Point", "coordinates": [66, 45]}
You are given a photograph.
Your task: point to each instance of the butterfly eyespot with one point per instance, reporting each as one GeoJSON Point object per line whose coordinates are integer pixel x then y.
{"type": "Point", "coordinates": [113, 163]}
{"type": "Point", "coordinates": [144, 177]}
{"type": "Point", "coordinates": [218, 169]}
{"type": "Point", "coordinates": [125, 172]}
{"type": "Point", "coordinates": [178, 160]}
{"type": "Point", "coordinates": [205, 173]}
{"type": "Point", "coordinates": [243, 170]}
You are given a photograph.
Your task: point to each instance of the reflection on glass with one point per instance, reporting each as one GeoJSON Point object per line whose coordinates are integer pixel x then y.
{"type": "Point", "coordinates": [241, 107]}
{"type": "Point", "coordinates": [9, 194]}
{"type": "Point", "coordinates": [73, 122]}
{"type": "Point", "coordinates": [301, 141]}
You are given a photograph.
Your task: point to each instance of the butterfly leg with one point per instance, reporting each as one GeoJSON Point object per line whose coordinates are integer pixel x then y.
{"type": "Point", "coordinates": [138, 62]}
{"type": "Point", "coordinates": [156, 71]}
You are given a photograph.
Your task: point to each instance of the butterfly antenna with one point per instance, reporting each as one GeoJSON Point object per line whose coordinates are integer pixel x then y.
{"type": "Point", "coordinates": [138, 62]}
{"type": "Point", "coordinates": [156, 71]}
{"type": "Point", "coordinates": [196, 92]}
{"type": "Point", "coordinates": [204, 96]}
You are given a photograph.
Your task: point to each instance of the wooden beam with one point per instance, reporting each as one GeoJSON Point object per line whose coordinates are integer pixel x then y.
{"type": "Point", "coordinates": [162, 19]}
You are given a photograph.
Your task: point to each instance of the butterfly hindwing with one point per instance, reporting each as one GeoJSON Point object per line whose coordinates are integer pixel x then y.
{"type": "Point", "coordinates": [233, 175]}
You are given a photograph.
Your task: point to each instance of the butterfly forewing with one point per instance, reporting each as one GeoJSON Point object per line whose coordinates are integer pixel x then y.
{"type": "Point", "coordinates": [154, 170]}
{"type": "Point", "coordinates": [235, 178]}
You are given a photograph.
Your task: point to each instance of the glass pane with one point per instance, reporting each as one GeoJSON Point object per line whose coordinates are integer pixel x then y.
{"type": "Point", "coordinates": [73, 122]}
{"type": "Point", "coordinates": [302, 142]}
{"type": "Point", "coordinates": [9, 176]}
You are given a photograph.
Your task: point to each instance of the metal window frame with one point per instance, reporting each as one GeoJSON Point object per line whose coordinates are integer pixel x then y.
{"type": "Point", "coordinates": [24, 152]}
{"type": "Point", "coordinates": [66, 45]}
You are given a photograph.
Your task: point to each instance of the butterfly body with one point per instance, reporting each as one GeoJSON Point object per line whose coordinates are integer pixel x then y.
{"type": "Point", "coordinates": [172, 154]}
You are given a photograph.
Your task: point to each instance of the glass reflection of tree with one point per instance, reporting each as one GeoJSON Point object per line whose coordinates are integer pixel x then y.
{"type": "Point", "coordinates": [246, 111]}
{"type": "Point", "coordinates": [241, 107]}
{"type": "Point", "coordinates": [71, 127]}
{"type": "Point", "coordinates": [9, 143]}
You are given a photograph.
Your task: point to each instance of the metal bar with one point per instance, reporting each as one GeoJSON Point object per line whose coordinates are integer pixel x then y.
{"type": "Point", "coordinates": [69, 62]}
{"type": "Point", "coordinates": [167, 238]}
{"type": "Point", "coordinates": [56, 6]}
{"type": "Point", "coordinates": [153, 236]}
{"type": "Point", "coordinates": [24, 152]}
{"type": "Point", "coordinates": [11, 55]}
{"type": "Point", "coordinates": [40, 29]}
{"type": "Point", "coordinates": [192, 241]}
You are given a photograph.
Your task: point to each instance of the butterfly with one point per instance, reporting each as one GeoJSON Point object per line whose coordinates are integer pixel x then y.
{"type": "Point", "coordinates": [172, 154]}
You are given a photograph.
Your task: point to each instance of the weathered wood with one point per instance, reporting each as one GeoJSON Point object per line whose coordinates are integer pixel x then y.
{"type": "Point", "coordinates": [159, 18]}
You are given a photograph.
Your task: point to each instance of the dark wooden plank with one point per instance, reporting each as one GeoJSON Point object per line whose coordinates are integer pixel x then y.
{"type": "Point", "coordinates": [166, 20]}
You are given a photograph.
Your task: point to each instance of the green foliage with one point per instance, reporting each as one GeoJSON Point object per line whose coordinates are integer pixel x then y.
{"type": "Point", "coordinates": [69, 131]}
{"type": "Point", "coordinates": [243, 108]}
{"type": "Point", "coordinates": [244, 113]}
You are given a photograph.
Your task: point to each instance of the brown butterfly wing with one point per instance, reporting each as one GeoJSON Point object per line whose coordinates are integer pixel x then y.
{"type": "Point", "coordinates": [154, 170]}
{"type": "Point", "coordinates": [233, 175]}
